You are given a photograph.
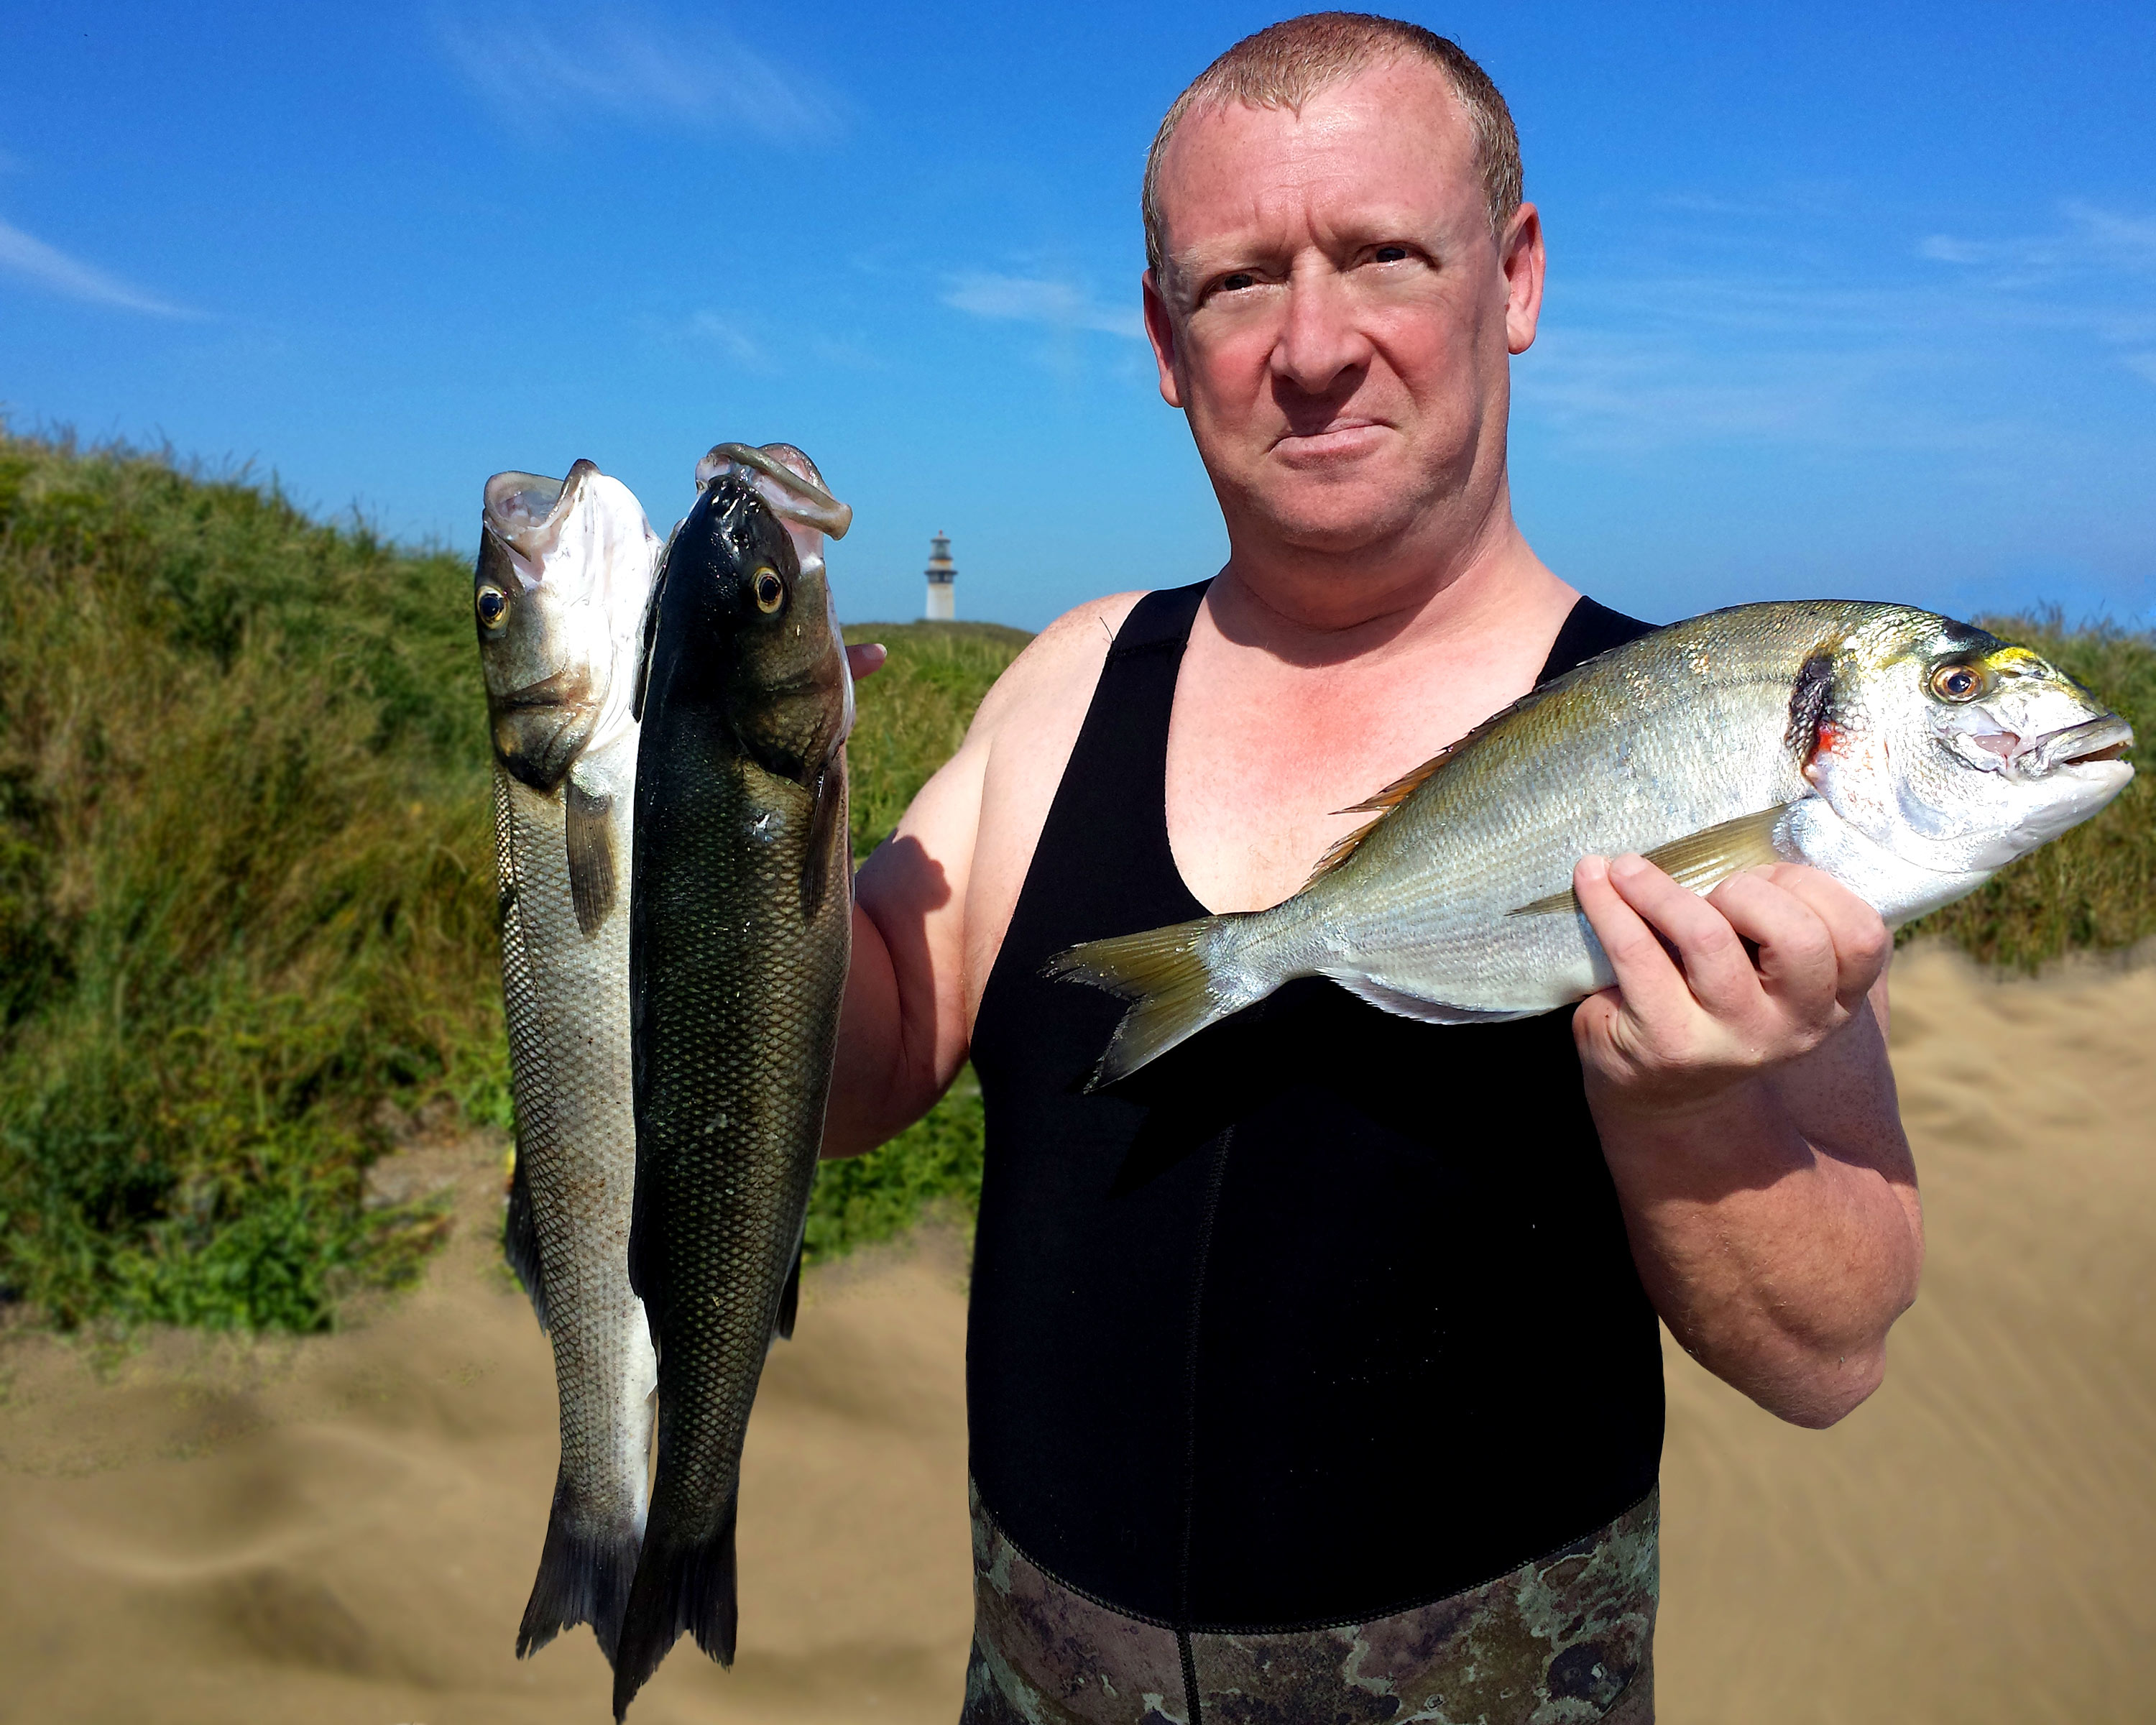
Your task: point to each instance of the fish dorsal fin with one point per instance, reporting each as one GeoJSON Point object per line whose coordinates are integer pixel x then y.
{"type": "Point", "coordinates": [1401, 788]}
{"type": "Point", "coordinates": [1404, 787]}
{"type": "Point", "coordinates": [1380, 805]}
{"type": "Point", "coordinates": [1699, 861]}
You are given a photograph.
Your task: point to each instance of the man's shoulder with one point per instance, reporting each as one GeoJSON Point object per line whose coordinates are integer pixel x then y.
{"type": "Point", "coordinates": [1058, 668]}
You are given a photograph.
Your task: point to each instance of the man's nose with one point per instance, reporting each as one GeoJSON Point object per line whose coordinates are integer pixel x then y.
{"type": "Point", "coordinates": [1320, 340]}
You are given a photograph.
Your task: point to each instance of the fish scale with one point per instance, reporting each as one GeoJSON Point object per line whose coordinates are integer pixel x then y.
{"type": "Point", "coordinates": [741, 919]}
{"type": "Point", "coordinates": [1814, 731]}
{"type": "Point", "coordinates": [559, 587]}
{"type": "Point", "coordinates": [577, 1151]}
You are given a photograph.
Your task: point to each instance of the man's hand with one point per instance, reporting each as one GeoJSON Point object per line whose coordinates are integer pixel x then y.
{"type": "Point", "coordinates": [1693, 1012]}
{"type": "Point", "coordinates": [1738, 1077]}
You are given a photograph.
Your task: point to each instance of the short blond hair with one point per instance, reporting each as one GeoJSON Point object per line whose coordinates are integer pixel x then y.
{"type": "Point", "coordinates": [1284, 65]}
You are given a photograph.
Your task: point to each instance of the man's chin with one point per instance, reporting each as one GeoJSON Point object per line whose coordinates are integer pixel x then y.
{"type": "Point", "coordinates": [1333, 518]}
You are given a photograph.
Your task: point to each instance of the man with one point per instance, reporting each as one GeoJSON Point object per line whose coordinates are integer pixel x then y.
{"type": "Point", "coordinates": [1313, 1371]}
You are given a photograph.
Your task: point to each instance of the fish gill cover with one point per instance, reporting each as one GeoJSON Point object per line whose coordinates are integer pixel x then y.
{"type": "Point", "coordinates": [247, 889]}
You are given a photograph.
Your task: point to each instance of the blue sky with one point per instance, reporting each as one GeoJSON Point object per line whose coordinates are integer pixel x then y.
{"type": "Point", "coordinates": [1849, 300]}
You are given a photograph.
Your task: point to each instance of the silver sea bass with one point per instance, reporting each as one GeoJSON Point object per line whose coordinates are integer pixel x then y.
{"type": "Point", "coordinates": [1908, 756]}
{"type": "Point", "coordinates": [565, 568]}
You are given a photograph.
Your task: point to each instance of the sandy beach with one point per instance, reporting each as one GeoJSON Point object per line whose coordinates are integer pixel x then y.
{"type": "Point", "coordinates": [343, 1528]}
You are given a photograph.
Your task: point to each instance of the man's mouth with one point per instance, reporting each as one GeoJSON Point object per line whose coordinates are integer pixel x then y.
{"type": "Point", "coordinates": [1341, 434]}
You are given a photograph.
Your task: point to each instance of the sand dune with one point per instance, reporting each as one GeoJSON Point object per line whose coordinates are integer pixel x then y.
{"type": "Point", "coordinates": [344, 1528]}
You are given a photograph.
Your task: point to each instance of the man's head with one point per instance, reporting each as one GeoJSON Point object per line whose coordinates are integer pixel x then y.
{"type": "Point", "coordinates": [1341, 267]}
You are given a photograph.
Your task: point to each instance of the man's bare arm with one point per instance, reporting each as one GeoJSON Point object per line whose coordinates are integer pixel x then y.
{"type": "Point", "coordinates": [1749, 1115]}
{"type": "Point", "coordinates": [902, 1032]}
{"type": "Point", "coordinates": [931, 904]}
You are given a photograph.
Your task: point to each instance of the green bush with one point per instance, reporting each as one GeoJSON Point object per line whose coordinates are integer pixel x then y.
{"type": "Point", "coordinates": [933, 1165]}
{"type": "Point", "coordinates": [246, 890]}
{"type": "Point", "coordinates": [915, 710]}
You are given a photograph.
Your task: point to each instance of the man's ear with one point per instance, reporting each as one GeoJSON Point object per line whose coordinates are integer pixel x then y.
{"type": "Point", "coordinates": [1520, 255]}
{"type": "Point", "coordinates": [1160, 331]}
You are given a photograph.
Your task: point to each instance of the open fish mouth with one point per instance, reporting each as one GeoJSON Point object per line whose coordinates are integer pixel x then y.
{"type": "Point", "coordinates": [2105, 739]}
{"type": "Point", "coordinates": [527, 511]}
{"type": "Point", "coordinates": [792, 494]}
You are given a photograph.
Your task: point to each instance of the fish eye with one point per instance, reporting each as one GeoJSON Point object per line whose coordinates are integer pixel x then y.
{"type": "Point", "coordinates": [770, 590]}
{"type": "Point", "coordinates": [493, 605]}
{"type": "Point", "coordinates": [1957, 682]}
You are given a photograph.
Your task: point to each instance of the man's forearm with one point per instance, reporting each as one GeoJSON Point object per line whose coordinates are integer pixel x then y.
{"type": "Point", "coordinates": [1777, 1263]}
{"type": "Point", "coordinates": [868, 1094]}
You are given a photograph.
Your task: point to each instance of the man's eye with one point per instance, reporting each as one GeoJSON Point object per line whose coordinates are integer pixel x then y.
{"type": "Point", "coordinates": [1236, 282]}
{"type": "Point", "coordinates": [1390, 254]}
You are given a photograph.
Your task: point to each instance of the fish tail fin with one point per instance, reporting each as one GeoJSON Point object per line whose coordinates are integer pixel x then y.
{"type": "Point", "coordinates": [681, 1583]}
{"type": "Point", "coordinates": [1179, 979]}
{"type": "Point", "coordinates": [584, 1575]}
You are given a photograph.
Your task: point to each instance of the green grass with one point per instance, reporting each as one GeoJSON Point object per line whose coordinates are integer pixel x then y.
{"type": "Point", "coordinates": [915, 710]}
{"type": "Point", "coordinates": [246, 889]}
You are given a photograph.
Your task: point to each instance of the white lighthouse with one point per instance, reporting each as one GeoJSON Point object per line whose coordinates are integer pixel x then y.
{"type": "Point", "coordinates": [942, 593]}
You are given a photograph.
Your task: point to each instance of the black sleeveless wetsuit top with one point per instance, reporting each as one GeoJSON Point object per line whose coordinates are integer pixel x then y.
{"type": "Point", "coordinates": [1326, 1313]}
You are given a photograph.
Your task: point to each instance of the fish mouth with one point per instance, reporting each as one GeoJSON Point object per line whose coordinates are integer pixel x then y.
{"type": "Point", "coordinates": [527, 511]}
{"type": "Point", "coordinates": [2103, 739]}
{"type": "Point", "coordinates": [792, 494]}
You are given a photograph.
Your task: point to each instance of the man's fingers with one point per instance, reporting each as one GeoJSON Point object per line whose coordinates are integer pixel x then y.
{"type": "Point", "coordinates": [1653, 987]}
{"type": "Point", "coordinates": [1862, 943]}
{"type": "Point", "coordinates": [1797, 961]}
{"type": "Point", "coordinates": [866, 659]}
{"type": "Point", "coordinates": [1717, 970]}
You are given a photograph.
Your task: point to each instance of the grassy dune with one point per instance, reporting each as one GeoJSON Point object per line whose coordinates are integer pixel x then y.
{"type": "Point", "coordinates": [246, 889]}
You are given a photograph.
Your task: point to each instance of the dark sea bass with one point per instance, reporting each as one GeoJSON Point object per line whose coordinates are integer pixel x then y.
{"type": "Point", "coordinates": [740, 908]}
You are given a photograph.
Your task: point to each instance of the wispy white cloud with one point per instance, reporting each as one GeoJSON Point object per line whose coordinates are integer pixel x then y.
{"type": "Point", "coordinates": [544, 71]}
{"type": "Point", "coordinates": [27, 256]}
{"type": "Point", "coordinates": [2089, 234]}
{"type": "Point", "coordinates": [1030, 298]}
{"type": "Point", "coordinates": [715, 329]}
{"type": "Point", "coordinates": [1802, 346]}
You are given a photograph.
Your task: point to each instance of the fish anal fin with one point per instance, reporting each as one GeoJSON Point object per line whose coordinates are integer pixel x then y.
{"type": "Point", "coordinates": [1401, 1004]}
{"type": "Point", "coordinates": [520, 1236]}
{"type": "Point", "coordinates": [1699, 861]}
{"type": "Point", "coordinates": [594, 875]}
{"type": "Point", "coordinates": [790, 1301]}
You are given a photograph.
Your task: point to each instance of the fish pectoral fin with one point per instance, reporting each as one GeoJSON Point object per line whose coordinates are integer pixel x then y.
{"type": "Point", "coordinates": [1699, 861]}
{"type": "Point", "coordinates": [827, 832]}
{"type": "Point", "coordinates": [594, 877]}
{"type": "Point", "coordinates": [1403, 1005]}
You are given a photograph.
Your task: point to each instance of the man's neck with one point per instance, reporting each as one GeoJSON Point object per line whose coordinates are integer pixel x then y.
{"type": "Point", "coordinates": [1322, 608]}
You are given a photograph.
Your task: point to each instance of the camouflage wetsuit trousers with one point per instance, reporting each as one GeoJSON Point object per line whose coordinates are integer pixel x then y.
{"type": "Point", "coordinates": [1566, 1638]}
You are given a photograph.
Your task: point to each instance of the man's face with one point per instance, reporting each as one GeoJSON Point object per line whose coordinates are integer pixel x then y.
{"type": "Point", "coordinates": [1335, 314]}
